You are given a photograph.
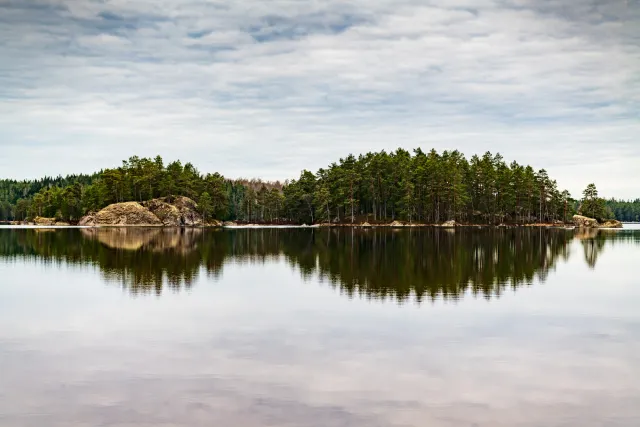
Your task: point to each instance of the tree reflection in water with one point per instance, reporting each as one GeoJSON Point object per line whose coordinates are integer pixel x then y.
{"type": "Point", "coordinates": [376, 263]}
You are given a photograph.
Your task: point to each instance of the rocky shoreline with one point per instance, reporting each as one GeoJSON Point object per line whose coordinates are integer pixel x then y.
{"type": "Point", "coordinates": [183, 212]}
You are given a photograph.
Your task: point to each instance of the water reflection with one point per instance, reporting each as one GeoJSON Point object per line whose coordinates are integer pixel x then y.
{"type": "Point", "coordinates": [376, 263]}
{"type": "Point", "coordinates": [372, 263]}
{"type": "Point", "coordinates": [259, 348]}
{"type": "Point", "coordinates": [594, 240]}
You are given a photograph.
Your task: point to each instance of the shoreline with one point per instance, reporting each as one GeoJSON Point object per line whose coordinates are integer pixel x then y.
{"type": "Point", "coordinates": [236, 226]}
{"type": "Point", "coordinates": [250, 226]}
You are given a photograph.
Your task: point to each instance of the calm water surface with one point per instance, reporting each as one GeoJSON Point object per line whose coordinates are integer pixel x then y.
{"type": "Point", "coordinates": [275, 327]}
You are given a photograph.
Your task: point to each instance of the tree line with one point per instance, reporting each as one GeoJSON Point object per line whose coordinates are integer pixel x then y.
{"type": "Point", "coordinates": [428, 188]}
{"type": "Point", "coordinates": [626, 211]}
{"type": "Point", "coordinates": [140, 179]}
{"type": "Point", "coordinates": [15, 196]}
{"type": "Point", "coordinates": [418, 186]}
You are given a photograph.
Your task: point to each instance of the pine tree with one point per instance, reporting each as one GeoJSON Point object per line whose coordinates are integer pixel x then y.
{"type": "Point", "coordinates": [205, 205]}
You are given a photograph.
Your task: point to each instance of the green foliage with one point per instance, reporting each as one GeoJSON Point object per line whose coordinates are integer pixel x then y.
{"type": "Point", "coordinates": [427, 188]}
{"type": "Point", "coordinates": [423, 187]}
{"type": "Point", "coordinates": [205, 205]}
{"type": "Point", "coordinates": [138, 179]}
{"type": "Point", "coordinates": [214, 186]}
{"type": "Point", "coordinates": [11, 191]}
{"type": "Point", "coordinates": [300, 196]}
{"type": "Point", "coordinates": [593, 206]}
{"type": "Point", "coordinates": [626, 211]}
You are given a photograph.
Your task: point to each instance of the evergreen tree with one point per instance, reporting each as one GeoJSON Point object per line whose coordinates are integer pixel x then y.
{"type": "Point", "coordinates": [592, 205]}
{"type": "Point", "coordinates": [205, 206]}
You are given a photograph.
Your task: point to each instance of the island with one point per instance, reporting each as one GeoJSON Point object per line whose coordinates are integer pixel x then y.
{"type": "Point", "coordinates": [396, 189]}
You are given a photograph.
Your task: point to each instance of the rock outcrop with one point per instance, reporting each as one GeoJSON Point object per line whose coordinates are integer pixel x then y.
{"type": "Point", "coordinates": [128, 213]}
{"type": "Point", "coordinates": [167, 211]}
{"type": "Point", "coordinates": [612, 223]}
{"type": "Point", "coordinates": [396, 224]}
{"type": "Point", "coordinates": [175, 211]}
{"type": "Point", "coordinates": [39, 220]}
{"type": "Point", "coordinates": [89, 220]}
{"type": "Point", "coordinates": [449, 224]}
{"type": "Point", "coordinates": [365, 224]}
{"type": "Point", "coordinates": [42, 221]}
{"type": "Point", "coordinates": [585, 222]}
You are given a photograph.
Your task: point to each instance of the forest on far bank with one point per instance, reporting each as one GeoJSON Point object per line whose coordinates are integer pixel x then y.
{"type": "Point", "coordinates": [424, 187]}
{"type": "Point", "coordinates": [625, 211]}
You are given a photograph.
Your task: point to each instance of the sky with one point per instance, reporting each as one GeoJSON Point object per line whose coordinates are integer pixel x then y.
{"type": "Point", "coordinates": [258, 88]}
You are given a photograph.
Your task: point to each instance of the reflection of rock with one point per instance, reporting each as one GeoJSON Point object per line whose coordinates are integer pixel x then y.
{"type": "Point", "coordinates": [176, 212]}
{"type": "Point", "coordinates": [152, 239]}
{"type": "Point", "coordinates": [612, 223]}
{"type": "Point", "coordinates": [583, 233]}
{"type": "Point", "coordinates": [585, 222]}
{"type": "Point", "coordinates": [122, 238]}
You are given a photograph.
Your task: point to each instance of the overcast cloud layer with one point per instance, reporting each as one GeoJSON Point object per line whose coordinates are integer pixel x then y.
{"type": "Point", "coordinates": [259, 88]}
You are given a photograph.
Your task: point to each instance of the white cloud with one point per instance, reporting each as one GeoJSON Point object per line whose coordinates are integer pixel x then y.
{"type": "Point", "coordinates": [103, 40]}
{"type": "Point", "coordinates": [258, 88]}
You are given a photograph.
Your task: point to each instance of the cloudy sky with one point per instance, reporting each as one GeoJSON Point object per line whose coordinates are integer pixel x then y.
{"type": "Point", "coordinates": [258, 88]}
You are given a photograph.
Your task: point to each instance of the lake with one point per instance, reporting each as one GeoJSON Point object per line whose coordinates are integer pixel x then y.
{"type": "Point", "coordinates": [319, 327]}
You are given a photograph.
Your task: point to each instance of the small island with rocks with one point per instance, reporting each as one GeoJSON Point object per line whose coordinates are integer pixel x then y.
{"type": "Point", "coordinates": [584, 222]}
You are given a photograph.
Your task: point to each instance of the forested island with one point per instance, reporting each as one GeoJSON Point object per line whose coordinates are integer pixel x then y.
{"type": "Point", "coordinates": [374, 188]}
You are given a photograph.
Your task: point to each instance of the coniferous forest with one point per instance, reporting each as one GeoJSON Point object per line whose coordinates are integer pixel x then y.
{"type": "Point", "coordinates": [625, 211]}
{"type": "Point", "coordinates": [421, 187]}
